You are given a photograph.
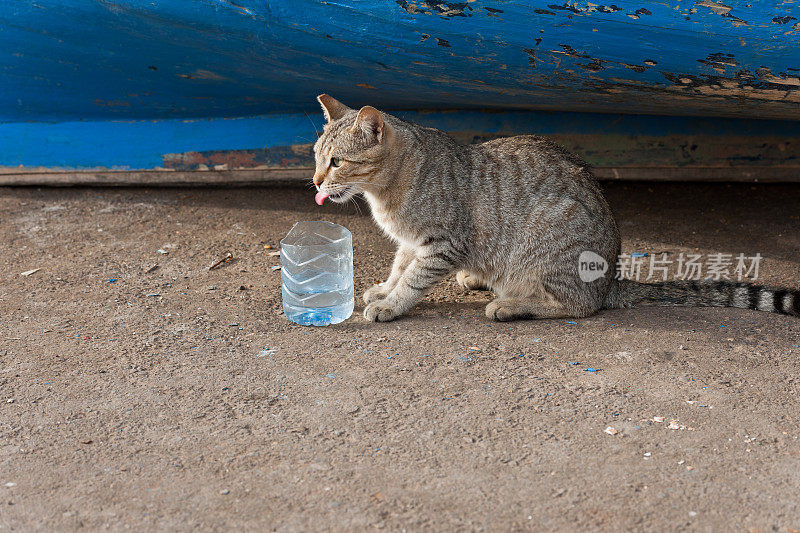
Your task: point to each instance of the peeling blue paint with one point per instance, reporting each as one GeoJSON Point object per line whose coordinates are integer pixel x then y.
{"type": "Point", "coordinates": [133, 145]}
{"type": "Point", "coordinates": [143, 145]}
{"type": "Point", "coordinates": [120, 84]}
{"type": "Point", "coordinates": [131, 59]}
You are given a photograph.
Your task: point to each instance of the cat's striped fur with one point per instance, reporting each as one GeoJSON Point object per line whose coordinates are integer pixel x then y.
{"type": "Point", "coordinates": [511, 215]}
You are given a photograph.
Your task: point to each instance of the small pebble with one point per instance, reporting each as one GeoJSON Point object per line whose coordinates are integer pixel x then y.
{"type": "Point", "coordinates": [611, 431]}
{"type": "Point", "coordinates": [673, 424]}
{"type": "Point", "coordinates": [225, 492]}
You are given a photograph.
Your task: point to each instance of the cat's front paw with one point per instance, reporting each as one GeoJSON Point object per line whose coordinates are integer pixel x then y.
{"type": "Point", "coordinates": [375, 293]}
{"type": "Point", "coordinates": [380, 311]}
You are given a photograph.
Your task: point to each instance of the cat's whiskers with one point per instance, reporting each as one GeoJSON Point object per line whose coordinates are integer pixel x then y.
{"type": "Point", "coordinates": [313, 125]}
{"type": "Point", "coordinates": [355, 203]}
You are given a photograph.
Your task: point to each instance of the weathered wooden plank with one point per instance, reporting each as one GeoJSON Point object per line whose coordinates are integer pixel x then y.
{"type": "Point", "coordinates": [301, 177]}
{"type": "Point", "coordinates": [119, 84]}
{"type": "Point", "coordinates": [156, 178]}
{"type": "Point", "coordinates": [284, 141]}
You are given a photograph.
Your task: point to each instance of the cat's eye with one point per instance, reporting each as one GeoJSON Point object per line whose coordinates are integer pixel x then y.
{"type": "Point", "coordinates": [336, 162]}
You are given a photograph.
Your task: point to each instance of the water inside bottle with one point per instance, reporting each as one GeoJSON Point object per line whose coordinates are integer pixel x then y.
{"type": "Point", "coordinates": [317, 274]}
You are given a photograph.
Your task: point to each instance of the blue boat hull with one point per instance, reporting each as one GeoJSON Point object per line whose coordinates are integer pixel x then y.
{"type": "Point", "coordinates": [111, 84]}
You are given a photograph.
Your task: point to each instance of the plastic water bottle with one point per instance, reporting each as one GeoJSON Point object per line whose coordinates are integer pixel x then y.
{"type": "Point", "coordinates": [317, 273]}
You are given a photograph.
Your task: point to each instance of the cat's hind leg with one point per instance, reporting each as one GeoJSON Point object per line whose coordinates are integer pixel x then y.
{"type": "Point", "coordinates": [471, 281]}
{"type": "Point", "coordinates": [506, 309]}
{"type": "Point", "coordinates": [528, 297]}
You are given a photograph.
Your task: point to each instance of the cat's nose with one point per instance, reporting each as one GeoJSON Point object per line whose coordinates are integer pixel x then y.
{"type": "Point", "coordinates": [318, 179]}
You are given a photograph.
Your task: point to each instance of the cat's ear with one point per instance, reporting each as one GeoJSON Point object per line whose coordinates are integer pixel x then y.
{"type": "Point", "coordinates": [370, 121]}
{"type": "Point", "coordinates": [332, 107]}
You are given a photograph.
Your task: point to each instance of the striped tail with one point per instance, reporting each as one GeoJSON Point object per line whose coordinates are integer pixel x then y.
{"type": "Point", "coordinates": [706, 293]}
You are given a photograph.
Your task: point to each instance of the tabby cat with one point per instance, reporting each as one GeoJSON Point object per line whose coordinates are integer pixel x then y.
{"type": "Point", "coordinates": [511, 215]}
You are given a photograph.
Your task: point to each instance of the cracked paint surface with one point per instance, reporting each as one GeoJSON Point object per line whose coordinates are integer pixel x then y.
{"type": "Point", "coordinates": [229, 58]}
{"type": "Point", "coordinates": [228, 84]}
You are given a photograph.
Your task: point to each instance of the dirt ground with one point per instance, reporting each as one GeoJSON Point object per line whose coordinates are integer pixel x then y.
{"type": "Point", "coordinates": [178, 398]}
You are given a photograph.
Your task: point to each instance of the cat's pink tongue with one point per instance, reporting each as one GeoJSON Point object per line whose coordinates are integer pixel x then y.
{"type": "Point", "coordinates": [320, 197]}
